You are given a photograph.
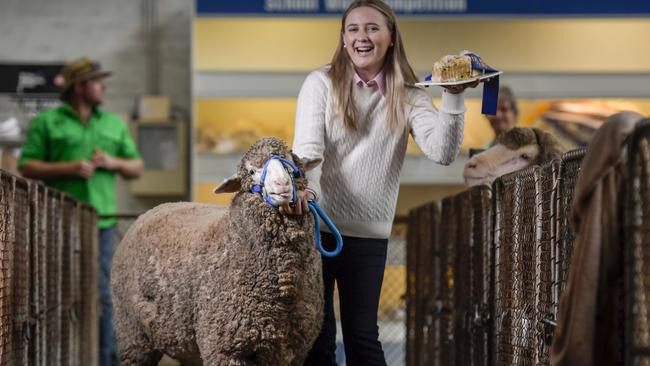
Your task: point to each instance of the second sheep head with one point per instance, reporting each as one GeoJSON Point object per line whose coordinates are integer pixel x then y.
{"type": "Point", "coordinates": [516, 149]}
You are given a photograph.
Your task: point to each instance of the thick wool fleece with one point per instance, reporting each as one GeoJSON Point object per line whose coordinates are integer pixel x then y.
{"type": "Point", "coordinates": [214, 286]}
{"type": "Point", "coordinates": [517, 137]}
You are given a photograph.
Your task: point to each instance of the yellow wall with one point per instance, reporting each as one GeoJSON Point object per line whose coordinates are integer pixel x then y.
{"type": "Point", "coordinates": [203, 192]}
{"type": "Point", "coordinates": [531, 45]}
{"type": "Point", "coordinates": [218, 119]}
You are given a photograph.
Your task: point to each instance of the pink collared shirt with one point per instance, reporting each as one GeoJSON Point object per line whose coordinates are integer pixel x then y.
{"type": "Point", "coordinates": [378, 82]}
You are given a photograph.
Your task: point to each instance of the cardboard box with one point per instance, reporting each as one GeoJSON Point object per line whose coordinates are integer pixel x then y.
{"type": "Point", "coordinates": [153, 108]}
{"type": "Point", "coordinates": [165, 159]}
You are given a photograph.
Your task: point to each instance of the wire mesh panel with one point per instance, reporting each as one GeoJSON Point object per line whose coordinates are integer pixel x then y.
{"type": "Point", "coordinates": [21, 284]}
{"type": "Point", "coordinates": [423, 232]}
{"type": "Point", "coordinates": [419, 218]}
{"type": "Point", "coordinates": [482, 264]}
{"type": "Point", "coordinates": [89, 311]}
{"type": "Point", "coordinates": [516, 221]}
{"type": "Point", "coordinates": [53, 278]}
{"type": "Point", "coordinates": [75, 311]}
{"type": "Point", "coordinates": [40, 276]}
{"type": "Point", "coordinates": [467, 215]}
{"type": "Point", "coordinates": [545, 253]}
{"type": "Point", "coordinates": [443, 268]}
{"type": "Point", "coordinates": [422, 303]}
{"type": "Point", "coordinates": [428, 259]}
{"type": "Point", "coordinates": [38, 216]}
{"type": "Point", "coordinates": [568, 176]}
{"type": "Point", "coordinates": [69, 280]}
{"type": "Point", "coordinates": [412, 271]}
{"type": "Point", "coordinates": [637, 252]}
{"type": "Point", "coordinates": [457, 213]}
{"type": "Point", "coordinates": [7, 243]}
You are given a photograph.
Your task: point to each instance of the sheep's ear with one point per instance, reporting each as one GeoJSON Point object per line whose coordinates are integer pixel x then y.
{"type": "Point", "coordinates": [549, 147]}
{"type": "Point", "coordinates": [229, 185]}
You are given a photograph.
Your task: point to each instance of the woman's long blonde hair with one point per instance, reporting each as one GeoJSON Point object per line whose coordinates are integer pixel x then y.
{"type": "Point", "coordinates": [398, 71]}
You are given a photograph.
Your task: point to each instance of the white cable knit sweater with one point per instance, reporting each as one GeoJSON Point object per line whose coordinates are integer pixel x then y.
{"type": "Point", "coordinates": [358, 180]}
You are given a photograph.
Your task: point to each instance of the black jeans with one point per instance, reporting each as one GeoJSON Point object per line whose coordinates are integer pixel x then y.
{"type": "Point", "coordinates": [358, 271]}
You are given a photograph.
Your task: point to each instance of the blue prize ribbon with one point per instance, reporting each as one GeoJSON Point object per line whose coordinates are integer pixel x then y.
{"type": "Point", "coordinates": [490, 88]}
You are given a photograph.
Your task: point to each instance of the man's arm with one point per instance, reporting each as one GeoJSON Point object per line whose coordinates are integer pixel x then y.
{"type": "Point", "coordinates": [128, 168]}
{"type": "Point", "coordinates": [38, 169]}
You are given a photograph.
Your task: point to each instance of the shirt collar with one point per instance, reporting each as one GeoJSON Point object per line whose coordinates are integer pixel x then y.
{"type": "Point", "coordinates": [67, 108]}
{"type": "Point", "coordinates": [378, 82]}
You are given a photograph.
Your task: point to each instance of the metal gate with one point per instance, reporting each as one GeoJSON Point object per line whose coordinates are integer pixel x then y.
{"type": "Point", "coordinates": [48, 276]}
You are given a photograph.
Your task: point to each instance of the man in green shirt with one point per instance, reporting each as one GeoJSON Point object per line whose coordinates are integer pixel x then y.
{"type": "Point", "coordinates": [78, 148]}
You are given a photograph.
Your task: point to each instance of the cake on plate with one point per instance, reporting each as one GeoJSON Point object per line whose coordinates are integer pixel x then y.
{"type": "Point", "coordinates": [454, 68]}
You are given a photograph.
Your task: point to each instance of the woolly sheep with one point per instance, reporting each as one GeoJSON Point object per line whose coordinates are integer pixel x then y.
{"type": "Point", "coordinates": [222, 286]}
{"type": "Point", "coordinates": [515, 149]}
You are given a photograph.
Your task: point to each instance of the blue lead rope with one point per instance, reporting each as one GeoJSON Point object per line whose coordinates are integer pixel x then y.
{"type": "Point", "coordinates": [317, 211]}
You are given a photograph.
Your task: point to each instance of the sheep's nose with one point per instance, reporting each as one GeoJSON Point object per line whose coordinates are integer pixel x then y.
{"type": "Point", "coordinates": [470, 165]}
{"type": "Point", "coordinates": [282, 181]}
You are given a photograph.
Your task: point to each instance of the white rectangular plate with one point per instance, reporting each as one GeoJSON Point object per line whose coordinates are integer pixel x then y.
{"type": "Point", "coordinates": [459, 82]}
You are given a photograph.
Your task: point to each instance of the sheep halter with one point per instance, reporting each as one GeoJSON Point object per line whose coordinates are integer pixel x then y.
{"type": "Point", "coordinates": [315, 209]}
{"type": "Point", "coordinates": [259, 188]}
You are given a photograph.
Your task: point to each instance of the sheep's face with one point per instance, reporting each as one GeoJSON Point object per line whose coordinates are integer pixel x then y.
{"type": "Point", "coordinates": [278, 183]}
{"type": "Point", "coordinates": [276, 177]}
{"type": "Point", "coordinates": [496, 161]}
{"type": "Point", "coordinates": [515, 149]}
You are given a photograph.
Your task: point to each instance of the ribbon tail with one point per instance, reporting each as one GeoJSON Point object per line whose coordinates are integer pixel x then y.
{"type": "Point", "coordinates": [490, 96]}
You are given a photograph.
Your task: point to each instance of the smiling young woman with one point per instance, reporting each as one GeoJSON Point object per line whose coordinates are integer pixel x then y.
{"type": "Point", "coordinates": [356, 115]}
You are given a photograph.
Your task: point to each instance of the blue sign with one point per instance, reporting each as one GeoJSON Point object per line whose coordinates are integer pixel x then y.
{"type": "Point", "coordinates": [597, 8]}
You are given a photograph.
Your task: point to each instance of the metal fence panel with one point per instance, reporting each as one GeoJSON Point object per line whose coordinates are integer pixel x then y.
{"type": "Point", "coordinates": [412, 274]}
{"type": "Point", "coordinates": [70, 281]}
{"type": "Point", "coordinates": [568, 176]}
{"type": "Point", "coordinates": [7, 242]}
{"type": "Point", "coordinates": [516, 241]}
{"type": "Point", "coordinates": [449, 282]}
{"type": "Point", "coordinates": [38, 204]}
{"type": "Point", "coordinates": [14, 270]}
{"type": "Point", "coordinates": [53, 250]}
{"type": "Point", "coordinates": [482, 261]}
{"type": "Point", "coordinates": [545, 253]}
{"type": "Point", "coordinates": [497, 268]}
{"type": "Point", "coordinates": [48, 277]}
{"type": "Point", "coordinates": [89, 306]}
{"type": "Point", "coordinates": [444, 350]}
{"type": "Point", "coordinates": [428, 304]}
{"type": "Point", "coordinates": [418, 246]}
{"type": "Point", "coordinates": [460, 210]}
{"type": "Point", "coordinates": [637, 251]}
{"type": "Point", "coordinates": [469, 212]}
{"type": "Point", "coordinates": [21, 283]}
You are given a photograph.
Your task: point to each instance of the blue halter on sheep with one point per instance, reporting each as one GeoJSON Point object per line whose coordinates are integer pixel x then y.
{"type": "Point", "coordinates": [316, 210]}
